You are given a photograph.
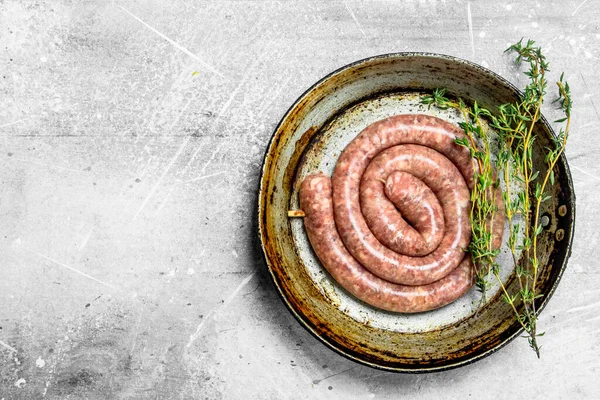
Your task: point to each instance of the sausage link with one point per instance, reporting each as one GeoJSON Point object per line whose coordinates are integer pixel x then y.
{"type": "Point", "coordinates": [423, 130]}
{"type": "Point", "coordinates": [419, 206]}
{"type": "Point", "coordinates": [406, 163]}
{"type": "Point", "coordinates": [444, 179]}
{"type": "Point", "coordinates": [315, 200]}
{"type": "Point", "coordinates": [419, 227]}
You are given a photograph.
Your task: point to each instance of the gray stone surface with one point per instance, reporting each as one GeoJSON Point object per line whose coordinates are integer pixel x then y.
{"type": "Point", "coordinates": [129, 267]}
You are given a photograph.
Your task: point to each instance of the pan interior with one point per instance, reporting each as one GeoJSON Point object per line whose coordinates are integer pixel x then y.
{"type": "Point", "coordinates": [311, 136]}
{"type": "Point", "coordinates": [321, 157]}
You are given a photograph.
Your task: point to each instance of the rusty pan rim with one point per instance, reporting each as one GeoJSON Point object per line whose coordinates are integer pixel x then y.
{"type": "Point", "coordinates": [260, 211]}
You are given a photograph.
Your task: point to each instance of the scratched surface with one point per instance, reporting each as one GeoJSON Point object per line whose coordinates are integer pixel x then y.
{"type": "Point", "coordinates": [131, 138]}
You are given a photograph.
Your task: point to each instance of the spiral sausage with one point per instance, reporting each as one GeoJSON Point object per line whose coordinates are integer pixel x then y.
{"type": "Point", "coordinates": [438, 173]}
{"type": "Point", "coordinates": [315, 200]}
{"type": "Point", "coordinates": [425, 131]}
{"type": "Point", "coordinates": [408, 262]}
{"type": "Point", "coordinates": [418, 229]}
{"type": "Point", "coordinates": [417, 205]}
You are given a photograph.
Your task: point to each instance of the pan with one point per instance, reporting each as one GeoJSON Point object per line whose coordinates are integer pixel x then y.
{"type": "Point", "coordinates": [310, 137]}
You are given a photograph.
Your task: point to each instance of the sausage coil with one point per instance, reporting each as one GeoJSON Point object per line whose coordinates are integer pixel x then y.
{"type": "Point", "coordinates": [392, 224]}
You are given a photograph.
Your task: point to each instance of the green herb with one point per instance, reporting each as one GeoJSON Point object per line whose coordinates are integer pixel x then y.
{"type": "Point", "coordinates": [486, 185]}
{"type": "Point", "coordinates": [514, 124]}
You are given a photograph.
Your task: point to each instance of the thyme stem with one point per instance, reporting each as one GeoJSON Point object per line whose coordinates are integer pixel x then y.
{"type": "Point", "coordinates": [515, 125]}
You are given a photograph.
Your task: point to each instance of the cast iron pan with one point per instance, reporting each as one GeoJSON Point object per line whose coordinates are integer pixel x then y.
{"type": "Point", "coordinates": [309, 138]}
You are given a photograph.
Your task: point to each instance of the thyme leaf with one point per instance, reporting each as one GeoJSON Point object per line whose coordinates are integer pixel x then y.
{"type": "Point", "coordinates": [515, 127]}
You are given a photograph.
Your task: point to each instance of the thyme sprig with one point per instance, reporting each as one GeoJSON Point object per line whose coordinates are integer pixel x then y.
{"type": "Point", "coordinates": [485, 185]}
{"type": "Point", "coordinates": [514, 124]}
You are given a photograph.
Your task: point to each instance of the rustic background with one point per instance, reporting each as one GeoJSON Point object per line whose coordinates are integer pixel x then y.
{"type": "Point", "coordinates": [129, 266]}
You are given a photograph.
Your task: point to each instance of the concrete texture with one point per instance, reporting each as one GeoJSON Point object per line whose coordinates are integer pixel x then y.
{"type": "Point", "coordinates": [129, 267]}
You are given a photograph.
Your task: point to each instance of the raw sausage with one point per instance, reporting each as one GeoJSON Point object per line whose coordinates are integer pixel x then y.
{"type": "Point", "coordinates": [315, 200]}
{"type": "Point", "coordinates": [430, 133]}
{"type": "Point", "coordinates": [444, 179]}
{"type": "Point", "coordinates": [419, 227]}
{"type": "Point", "coordinates": [419, 206]}
{"type": "Point", "coordinates": [410, 261]}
